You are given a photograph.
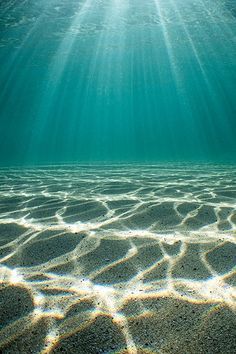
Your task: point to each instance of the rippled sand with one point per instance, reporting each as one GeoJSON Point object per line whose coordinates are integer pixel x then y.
{"type": "Point", "coordinates": [118, 259]}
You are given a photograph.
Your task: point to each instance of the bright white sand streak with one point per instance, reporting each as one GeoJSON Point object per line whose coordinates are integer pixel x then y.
{"type": "Point", "coordinates": [104, 239]}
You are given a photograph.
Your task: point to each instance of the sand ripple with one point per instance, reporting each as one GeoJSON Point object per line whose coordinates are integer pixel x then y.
{"type": "Point", "coordinates": [115, 259]}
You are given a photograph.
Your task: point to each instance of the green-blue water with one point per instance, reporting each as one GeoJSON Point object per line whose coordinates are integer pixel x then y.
{"type": "Point", "coordinates": [117, 80]}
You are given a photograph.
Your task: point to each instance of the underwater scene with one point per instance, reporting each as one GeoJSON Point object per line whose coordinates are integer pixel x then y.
{"type": "Point", "coordinates": [118, 176]}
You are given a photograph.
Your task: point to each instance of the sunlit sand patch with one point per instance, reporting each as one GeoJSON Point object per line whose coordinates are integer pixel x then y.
{"type": "Point", "coordinates": [120, 273]}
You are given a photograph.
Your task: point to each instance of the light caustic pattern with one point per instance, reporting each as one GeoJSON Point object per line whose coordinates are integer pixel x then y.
{"type": "Point", "coordinates": [115, 259]}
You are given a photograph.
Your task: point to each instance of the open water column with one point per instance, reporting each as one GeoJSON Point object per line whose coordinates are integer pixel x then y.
{"type": "Point", "coordinates": [117, 176]}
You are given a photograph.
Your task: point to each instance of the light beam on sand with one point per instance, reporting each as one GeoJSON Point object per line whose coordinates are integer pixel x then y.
{"type": "Point", "coordinates": [122, 255]}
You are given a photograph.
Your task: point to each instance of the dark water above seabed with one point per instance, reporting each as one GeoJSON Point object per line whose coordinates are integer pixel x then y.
{"type": "Point", "coordinates": [117, 80]}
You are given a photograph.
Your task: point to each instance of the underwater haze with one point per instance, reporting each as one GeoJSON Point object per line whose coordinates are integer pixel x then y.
{"type": "Point", "coordinates": [117, 80]}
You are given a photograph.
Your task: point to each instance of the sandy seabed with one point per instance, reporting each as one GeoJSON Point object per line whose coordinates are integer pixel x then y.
{"type": "Point", "coordinates": [118, 259]}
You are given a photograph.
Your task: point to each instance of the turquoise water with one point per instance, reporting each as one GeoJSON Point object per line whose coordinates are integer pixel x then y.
{"type": "Point", "coordinates": [117, 80]}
